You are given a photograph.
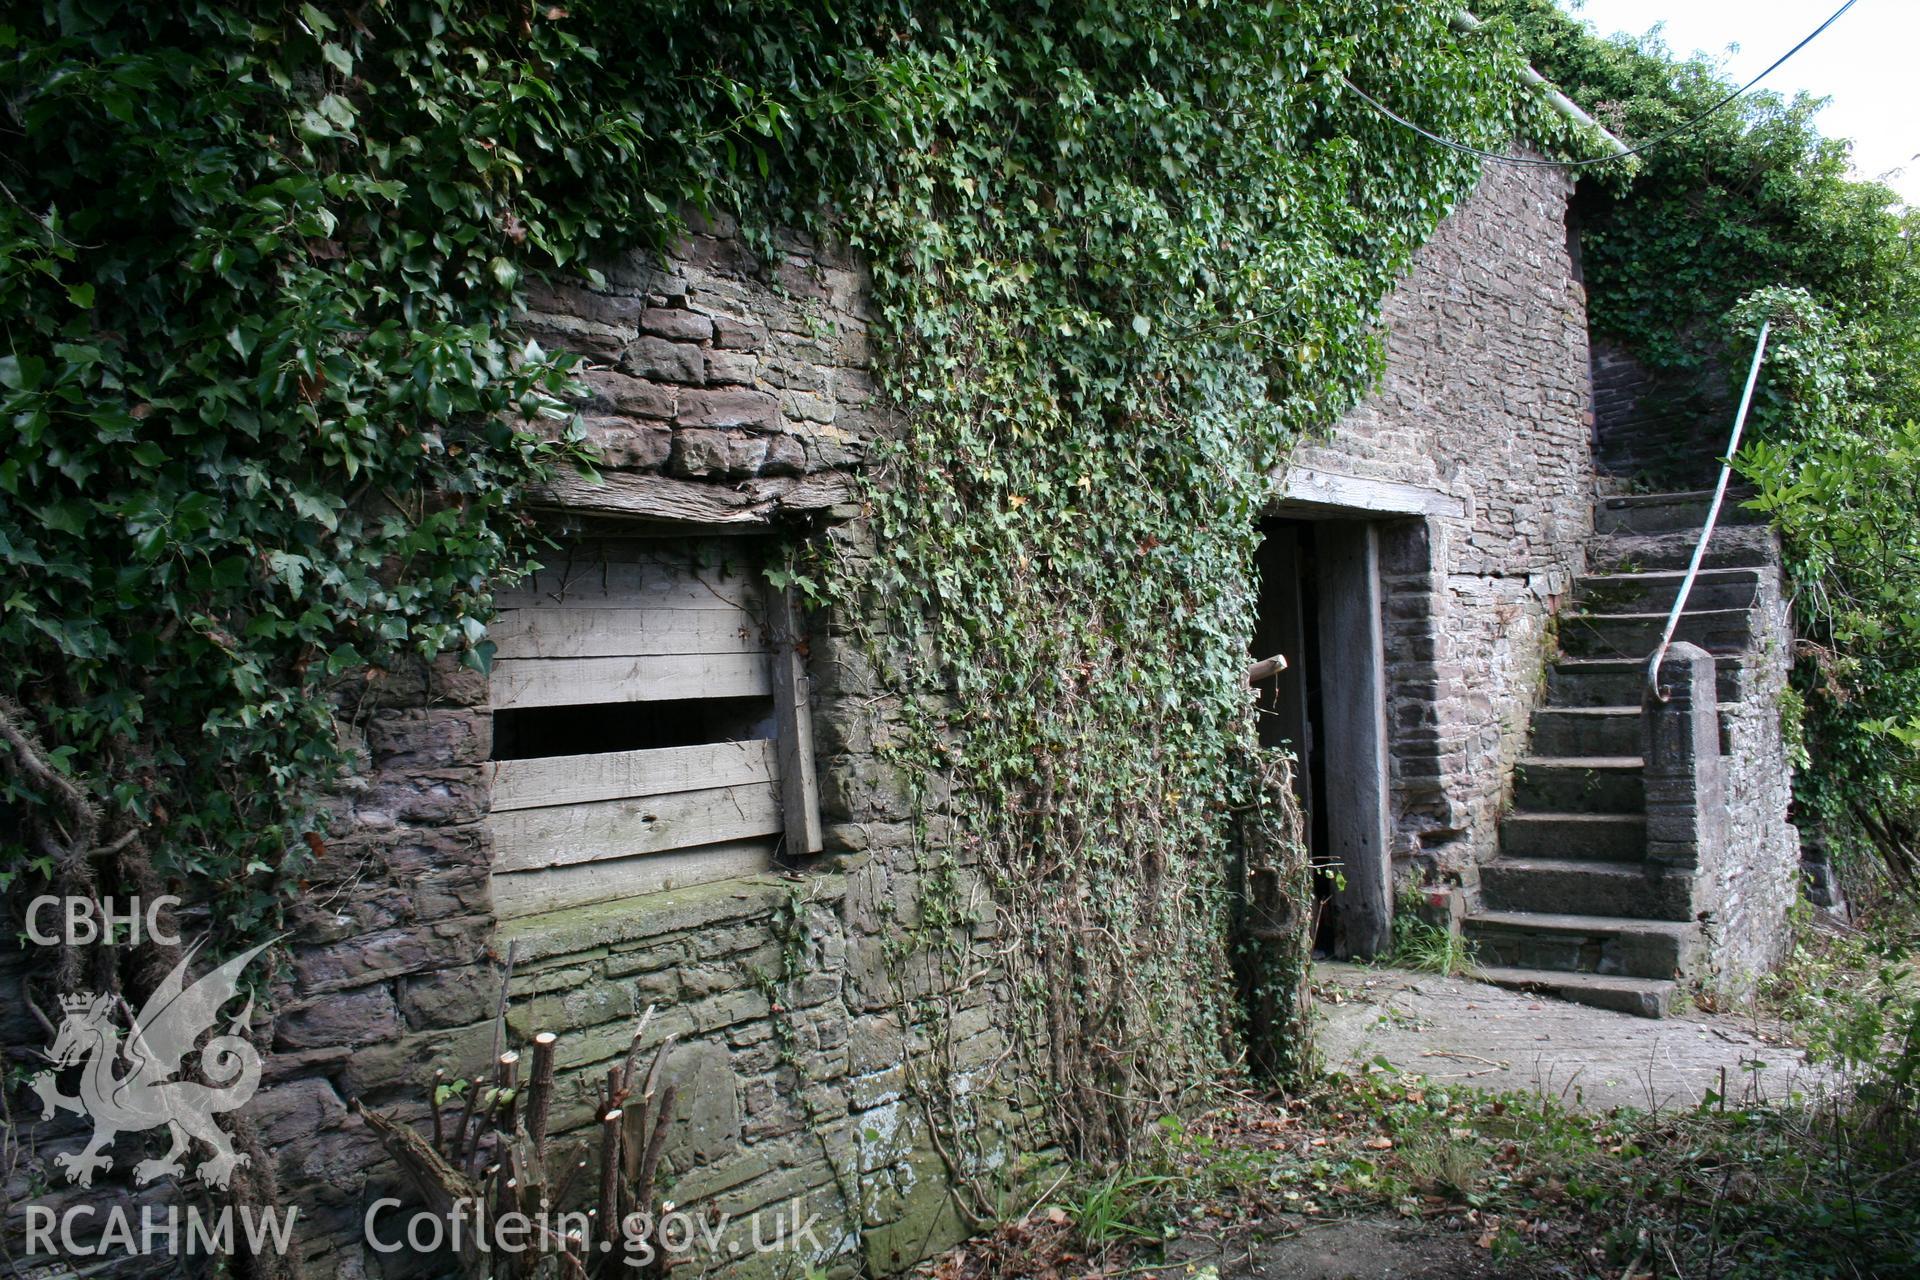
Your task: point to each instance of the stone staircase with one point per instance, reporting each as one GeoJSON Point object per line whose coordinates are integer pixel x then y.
{"type": "Point", "coordinates": [1569, 907]}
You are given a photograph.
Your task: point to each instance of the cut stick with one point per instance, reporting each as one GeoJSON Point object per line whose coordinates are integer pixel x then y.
{"type": "Point", "coordinates": [540, 1094]}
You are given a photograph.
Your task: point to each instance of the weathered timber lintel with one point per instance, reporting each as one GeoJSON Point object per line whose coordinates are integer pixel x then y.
{"type": "Point", "coordinates": [1310, 489]}
{"type": "Point", "coordinates": [664, 500]}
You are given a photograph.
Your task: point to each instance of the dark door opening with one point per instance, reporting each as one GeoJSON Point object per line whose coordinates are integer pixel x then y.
{"type": "Point", "coordinates": [1291, 714]}
{"type": "Point", "coordinates": [1319, 607]}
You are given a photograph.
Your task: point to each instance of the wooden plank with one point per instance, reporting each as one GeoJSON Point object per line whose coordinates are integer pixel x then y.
{"type": "Point", "coordinates": [667, 501]}
{"type": "Point", "coordinates": [561, 632]}
{"type": "Point", "coordinates": [795, 494]}
{"type": "Point", "coordinates": [1309, 487]}
{"type": "Point", "coordinates": [566, 834]}
{"type": "Point", "coordinates": [525, 893]}
{"type": "Point", "coordinates": [1353, 687]}
{"type": "Point", "coordinates": [793, 714]}
{"type": "Point", "coordinates": [561, 682]}
{"type": "Point", "coordinates": [648, 584]}
{"type": "Point", "coordinates": [617, 775]}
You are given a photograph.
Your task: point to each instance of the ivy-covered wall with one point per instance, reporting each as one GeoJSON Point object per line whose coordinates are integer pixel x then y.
{"type": "Point", "coordinates": [278, 425]}
{"type": "Point", "coordinates": [818, 1031]}
{"type": "Point", "coordinates": [728, 387]}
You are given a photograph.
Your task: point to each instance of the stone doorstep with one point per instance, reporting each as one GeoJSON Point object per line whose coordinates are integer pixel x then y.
{"type": "Point", "coordinates": [1572, 733]}
{"type": "Point", "coordinates": [1736, 547]}
{"type": "Point", "coordinates": [1619, 682]}
{"type": "Point", "coordinates": [1636, 635]}
{"type": "Point", "coordinates": [1576, 732]}
{"type": "Point", "coordinates": [1670, 512]}
{"type": "Point", "coordinates": [1580, 784]}
{"type": "Point", "coordinates": [1643, 997]}
{"type": "Point", "coordinates": [1626, 890]}
{"type": "Point", "coordinates": [1594, 944]}
{"type": "Point", "coordinates": [1655, 591]}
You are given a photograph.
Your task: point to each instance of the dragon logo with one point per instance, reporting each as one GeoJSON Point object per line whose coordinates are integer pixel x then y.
{"type": "Point", "coordinates": [125, 1088]}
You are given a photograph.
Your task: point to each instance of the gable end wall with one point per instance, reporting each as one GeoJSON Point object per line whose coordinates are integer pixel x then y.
{"type": "Point", "coordinates": [1486, 400]}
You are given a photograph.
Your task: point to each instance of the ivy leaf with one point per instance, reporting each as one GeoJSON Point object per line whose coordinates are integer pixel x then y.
{"type": "Point", "coordinates": [68, 516]}
{"type": "Point", "coordinates": [21, 373]}
{"type": "Point", "coordinates": [315, 508]}
{"type": "Point", "coordinates": [289, 568]}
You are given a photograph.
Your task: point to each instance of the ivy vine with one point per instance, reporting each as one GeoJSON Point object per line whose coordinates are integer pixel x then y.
{"type": "Point", "coordinates": [1124, 255]}
{"type": "Point", "coordinates": [272, 426]}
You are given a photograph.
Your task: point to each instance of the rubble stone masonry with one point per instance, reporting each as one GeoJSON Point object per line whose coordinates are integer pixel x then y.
{"type": "Point", "coordinates": [733, 396]}
{"type": "Point", "coordinates": [1485, 406]}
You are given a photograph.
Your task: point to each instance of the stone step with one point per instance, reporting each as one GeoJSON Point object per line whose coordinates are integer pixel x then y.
{"type": "Point", "coordinates": [1654, 591]}
{"type": "Point", "coordinates": [1580, 784]}
{"type": "Point", "coordinates": [1569, 732]}
{"type": "Point", "coordinates": [1562, 886]}
{"type": "Point", "coordinates": [1642, 997]}
{"type": "Point", "coordinates": [1584, 944]}
{"type": "Point", "coordinates": [1622, 682]}
{"type": "Point", "coordinates": [1588, 837]}
{"type": "Point", "coordinates": [1738, 547]}
{"type": "Point", "coordinates": [1671, 512]}
{"type": "Point", "coordinates": [1635, 635]}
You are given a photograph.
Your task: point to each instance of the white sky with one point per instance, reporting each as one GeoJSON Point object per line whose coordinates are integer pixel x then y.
{"type": "Point", "coordinates": [1865, 63]}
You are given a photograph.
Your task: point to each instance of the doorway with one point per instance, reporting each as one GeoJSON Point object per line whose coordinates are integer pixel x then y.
{"type": "Point", "coordinates": [1319, 607]}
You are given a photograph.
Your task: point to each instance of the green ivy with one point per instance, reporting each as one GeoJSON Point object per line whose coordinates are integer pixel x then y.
{"type": "Point", "coordinates": [272, 426]}
{"type": "Point", "coordinates": [1840, 478]}
{"type": "Point", "coordinates": [1125, 254]}
{"type": "Point", "coordinates": [1750, 197]}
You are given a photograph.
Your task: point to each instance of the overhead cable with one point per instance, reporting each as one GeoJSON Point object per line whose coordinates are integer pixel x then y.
{"type": "Point", "coordinates": [1625, 152]}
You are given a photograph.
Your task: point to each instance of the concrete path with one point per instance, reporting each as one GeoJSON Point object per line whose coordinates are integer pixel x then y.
{"type": "Point", "coordinates": [1456, 1029]}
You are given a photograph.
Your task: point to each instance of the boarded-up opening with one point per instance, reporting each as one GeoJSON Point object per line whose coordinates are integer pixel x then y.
{"type": "Point", "coordinates": [650, 726]}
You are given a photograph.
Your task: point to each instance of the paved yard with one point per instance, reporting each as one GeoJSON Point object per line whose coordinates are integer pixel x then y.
{"type": "Point", "coordinates": [1462, 1030]}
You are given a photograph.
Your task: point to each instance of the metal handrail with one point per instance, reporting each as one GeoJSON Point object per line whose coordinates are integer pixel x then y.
{"type": "Point", "coordinates": [1713, 515]}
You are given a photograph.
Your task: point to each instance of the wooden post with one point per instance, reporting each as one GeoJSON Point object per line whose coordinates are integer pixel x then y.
{"type": "Point", "coordinates": [1266, 668]}
{"type": "Point", "coordinates": [799, 793]}
{"type": "Point", "coordinates": [506, 1080]}
{"type": "Point", "coordinates": [610, 1213]}
{"type": "Point", "coordinates": [540, 1094]}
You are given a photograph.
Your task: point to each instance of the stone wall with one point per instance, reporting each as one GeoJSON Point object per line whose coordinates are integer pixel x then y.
{"type": "Point", "coordinates": [1748, 894]}
{"type": "Point", "coordinates": [732, 396]}
{"type": "Point", "coordinates": [1663, 432]}
{"type": "Point", "coordinates": [1484, 409]}
{"type": "Point", "coordinates": [727, 395]}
